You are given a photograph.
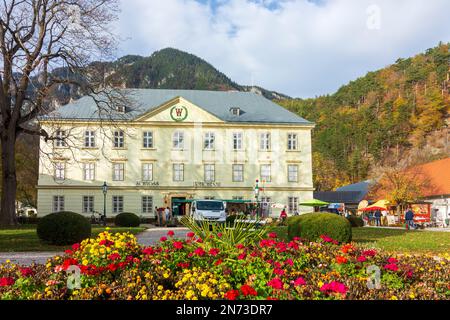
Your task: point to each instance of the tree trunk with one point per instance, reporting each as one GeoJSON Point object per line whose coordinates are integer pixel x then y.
{"type": "Point", "coordinates": [9, 182]}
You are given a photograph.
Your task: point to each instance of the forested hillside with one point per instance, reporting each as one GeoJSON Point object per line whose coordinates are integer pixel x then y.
{"type": "Point", "coordinates": [387, 116]}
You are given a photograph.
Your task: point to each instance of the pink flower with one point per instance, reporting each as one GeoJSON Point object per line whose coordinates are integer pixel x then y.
{"type": "Point", "coordinates": [275, 283]}
{"type": "Point", "coordinates": [76, 246]}
{"type": "Point", "coordinates": [299, 282]}
{"type": "Point", "coordinates": [190, 234]}
{"type": "Point", "coordinates": [392, 260]}
{"type": "Point", "coordinates": [170, 233]}
{"type": "Point", "coordinates": [326, 238]}
{"type": "Point", "coordinates": [199, 252]}
{"type": "Point", "coordinates": [178, 245]}
{"type": "Point", "coordinates": [148, 251]}
{"type": "Point", "coordinates": [219, 235]}
{"type": "Point", "coordinates": [369, 253]}
{"type": "Point", "coordinates": [272, 235]}
{"type": "Point", "coordinates": [289, 262]}
{"type": "Point", "coordinates": [334, 287]}
{"type": "Point", "coordinates": [163, 239]}
{"type": "Point", "coordinates": [240, 246]}
{"type": "Point", "coordinates": [26, 272]}
{"type": "Point", "coordinates": [214, 251]}
{"type": "Point", "coordinates": [278, 271]}
{"type": "Point", "coordinates": [361, 259]}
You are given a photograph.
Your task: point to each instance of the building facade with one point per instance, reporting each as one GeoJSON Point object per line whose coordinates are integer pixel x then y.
{"type": "Point", "coordinates": [166, 146]}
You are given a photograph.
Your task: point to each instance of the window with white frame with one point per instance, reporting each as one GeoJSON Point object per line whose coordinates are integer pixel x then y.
{"type": "Point", "coordinates": [60, 139]}
{"type": "Point", "coordinates": [58, 203]}
{"type": "Point", "coordinates": [238, 172]}
{"type": "Point", "coordinates": [148, 139]}
{"type": "Point", "coordinates": [237, 141]}
{"type": "Point", "coordinates": [178, 140]}
{"type": "Point", "coordinates": [210, 175]}
{"type": "Point", "coordinates": [118, 171]}
{"type": "Point", "coordinates": [178, 172]}
{"type": "Point", "coordinates": [89, 139]}
{"type": "Point", "coordinates": [209, 141]}
{"type": "Point", "coordinates": [266, 172]}
{"type": "Point", "coordinates": [60, 171]}
{"type": "Point", "coordinates": [264, 141]}
{"type": "Point", "coordinates": [292, 142]}
{"type": "Point", "coordinates": [117, 204]}
{"type": "Point", "coordinates": [147, 171]}
{"type": "Point", "coordinates": [147, 204]}
{"type": "Point", "coordinates": [292, 173]}
{"type": "Point", "coordinates": [89, 171]}
{"type": "Point", "coordinates": [292, 204]}
{"type": "Point", "coordinates": [119, 139]}
{"type": "Point", "coordinates": [88, 204]}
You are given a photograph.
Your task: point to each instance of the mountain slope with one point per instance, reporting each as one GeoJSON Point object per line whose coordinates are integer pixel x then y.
{"type": "Point", "coordinates": [396, 114]}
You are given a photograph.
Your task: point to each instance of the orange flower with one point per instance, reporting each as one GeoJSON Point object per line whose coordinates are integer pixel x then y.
{"type": "Point", "coordinates": [341, 260]}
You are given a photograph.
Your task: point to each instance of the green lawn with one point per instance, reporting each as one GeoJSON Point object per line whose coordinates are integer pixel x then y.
{"type": "Point", "coordinates": [24, 238]}
{"type": "Point", "coordinates": [394, 240]}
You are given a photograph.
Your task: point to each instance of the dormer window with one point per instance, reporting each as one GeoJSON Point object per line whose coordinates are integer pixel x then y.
{"type": "Point", "coordinates": [235, 111]}
{"type": "Point", "coordinates": [121, 109]}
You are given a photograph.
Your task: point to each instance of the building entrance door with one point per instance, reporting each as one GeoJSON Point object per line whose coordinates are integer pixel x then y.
{"type": "Point", "coordinates": [178, 206]}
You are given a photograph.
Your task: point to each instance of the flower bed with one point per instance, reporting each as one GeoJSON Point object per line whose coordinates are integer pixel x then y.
{"type": "Point", "coordinates": [116, 267]}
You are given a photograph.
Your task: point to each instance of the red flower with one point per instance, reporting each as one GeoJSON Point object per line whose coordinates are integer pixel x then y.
{"type": "Point", "coordinates": [278, 271]}
{"type": "Point", "coordinates": [391, 266]}
{"type": "Point", "coordinates": [190, 234]}
{"type": "Point", "coordinates": [148, 251]}
{"type": "Point", "coordinates": [218, 262]}
{"type": "Point", "coordinates": [178, 245]}
{"type": "Point", "coordinates": [275, 283]}
{"type": "Point", "coordinates": [170, 233]}
{"type": "Point", "coordinates": [271, 298]}
{"type": "Point", "coordinates": [299, 282]}
{"type": "Point", "coordinates": [334, 287]}
{"type": "Point", "coordinates": [242, 256]}
{"type": "Point", "coordinates": [163, 239]}
{"type": "Point", "coordinates": [76, 246]}
{"type": "Point", "coordinates": [114, 256]}
{"type": "Point", "coordinates": [240, 246]}
{"type": "Point", "coordinates": [26, 272]}
{"type": "Point", "coordinates": [183, 265]}
{"type": "Point", "coordinates": [199, 252]}
{"type": "Point", "coordinates": [392, 260]}
{"type": "Point", "coordinates": [289, 262]}
{"type": "Point", "coordinates": [106, 243]}
{"type": "Point", "coordinates": [273, 235]}
{"type": "Point", "coordinates": [341, 260]}
{"type": "Point", "coordinates": [369, 253]}
{"type": "Point", "coordinates": [231, 295]}
{"type": "Point", "coordinates": [361, 259]}
{"type": "Point", "coordinates": [214, 252]}
{"type": "Point", "coordinates": [326, 238]}
{"type": "Point", "coordinates": [5, 282]}
{"type": "Point", "coordinates": [248, 290]}
{"type": "Point", "coordinates": [68, 252]}
{"type": "Point", "coordinates": [219, 235]}
{"type": "Point", "coordinates": [112, 267]}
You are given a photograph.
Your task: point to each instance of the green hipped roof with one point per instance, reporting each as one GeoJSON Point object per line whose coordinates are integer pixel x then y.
{"type": "Point", "coordinates": [254, 108]}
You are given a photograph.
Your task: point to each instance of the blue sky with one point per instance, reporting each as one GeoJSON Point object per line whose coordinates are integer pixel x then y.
{"type": "Point", "coordinates": [303, 48]}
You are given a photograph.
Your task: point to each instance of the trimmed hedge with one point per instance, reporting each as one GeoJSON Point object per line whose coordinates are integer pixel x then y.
{"type": "Point", "coordinates": [127, 219]}
{"type": "Point", "coordinates": [63, 228]}
{"type": "Point", "coordinates": [311, 226]}
{"type": "Point", "coordinates": [356, 222]}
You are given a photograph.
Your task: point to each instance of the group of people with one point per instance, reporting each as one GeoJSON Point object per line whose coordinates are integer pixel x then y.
{"type": "Point", "coordinates": [163, 216]}
{"type": "Point", "coordinates": [377, 218]}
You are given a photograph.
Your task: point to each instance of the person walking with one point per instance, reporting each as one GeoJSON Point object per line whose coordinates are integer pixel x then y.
{"type": "Point", "coordinates": [384, 215]}
{"type": "Point", "coordinates": [158, 218]}
{"type": "Point", "coordinates": [167, 215]}
{"type": "Point", "coordinates": [409, 219]}
{"type": "Point", "coordinates": [161, 216]}
{"type": "Point", "coordinates": [378, 218]}
{"type": "Point", "coordinates": [283, 215]}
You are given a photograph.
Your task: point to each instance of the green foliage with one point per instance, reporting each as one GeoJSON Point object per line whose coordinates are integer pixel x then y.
{"type": "Point", "coordinates": [311, 226]}
{"type": "Point", "coordinates": [377, 116]}
{"type": "Point", "coordinates": [225, 236]}
{"type": "Point", "coordinates": [232, 218]}
{"type": "Point", "coordinates": [63, 228]}
{"type": "Point", "coordinates": [355, 221]}
{"type": "Point", "coordinates": [127, 219]}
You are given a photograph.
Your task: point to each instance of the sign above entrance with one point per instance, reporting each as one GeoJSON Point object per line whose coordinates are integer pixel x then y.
{"type": "Point", "coordinates": [201, 184]}
{"type": "Point", "coordinates": [178, 113]}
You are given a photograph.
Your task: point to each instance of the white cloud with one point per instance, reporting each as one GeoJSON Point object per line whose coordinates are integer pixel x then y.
{"type": "Point", "coordinates": [296, 47]}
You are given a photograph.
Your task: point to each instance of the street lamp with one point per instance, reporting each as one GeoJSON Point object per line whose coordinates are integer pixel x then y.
{"type": "Point", "coordinates": [257, 197]}
{"type": "Point", "coordinates": [105, 191]}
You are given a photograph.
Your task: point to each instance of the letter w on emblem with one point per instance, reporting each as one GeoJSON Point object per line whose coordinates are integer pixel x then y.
{"type": "Point", "coordinates": [179, 112]}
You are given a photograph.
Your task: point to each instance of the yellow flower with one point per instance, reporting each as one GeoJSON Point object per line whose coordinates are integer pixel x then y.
{"type": "Point", "coordinates": [412, 296]}
{"type": "Point", "coordinates": [394, 298]}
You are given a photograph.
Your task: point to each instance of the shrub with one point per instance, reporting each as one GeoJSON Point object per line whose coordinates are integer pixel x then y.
{"type": "Point", "coordinates": [127, 219]}
{"type": "Point", "coordinates": [312, 225]}
{"type": "Point", "coordinates": [356, 222]}
{"type": "Point", "coordinates": [63, 228]}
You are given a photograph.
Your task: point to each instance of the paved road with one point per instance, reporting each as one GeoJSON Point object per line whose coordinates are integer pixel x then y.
{"type": "Point", "coordinates": [146, 238]}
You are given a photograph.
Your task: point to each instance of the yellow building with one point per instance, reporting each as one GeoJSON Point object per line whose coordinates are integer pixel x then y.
{"type": "Point", "coordinates": [168, 146]}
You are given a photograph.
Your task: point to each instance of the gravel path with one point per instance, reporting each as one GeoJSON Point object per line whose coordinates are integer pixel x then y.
{"type": "Point", "coordinates": [146, 238]}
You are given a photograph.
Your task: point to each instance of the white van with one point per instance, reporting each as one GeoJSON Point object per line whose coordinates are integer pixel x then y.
{"type": "Point", "coordinates": [208, 210]}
